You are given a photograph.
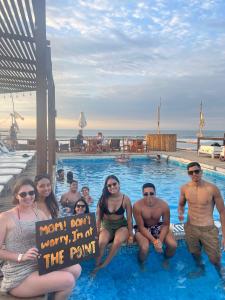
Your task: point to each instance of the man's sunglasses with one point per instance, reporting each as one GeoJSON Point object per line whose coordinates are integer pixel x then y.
{"type": "Point", "coordinates": [194, 172]}
{"type": "Point", "coordinates": [112, 184]}
{"type": "Point", "coordinates": [149, 194]}
{"type": "Point", "coordinates": [80, 206]}
{"type": "Point", "coordinates": [24, 194]}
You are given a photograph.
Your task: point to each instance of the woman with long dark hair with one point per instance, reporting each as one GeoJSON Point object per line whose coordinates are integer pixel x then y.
{"type": "Point", "coordinates": [111, 222]}
{"type": "Point", "coordinates": [19, 254]}
{"type": "Point", "coordinates": [81, 207]}
{"type": "Point", "coordinates": [46, 200]}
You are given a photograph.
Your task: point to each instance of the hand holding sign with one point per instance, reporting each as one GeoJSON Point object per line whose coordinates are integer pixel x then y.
{"type": "Point", "coordinates": [66, 241]}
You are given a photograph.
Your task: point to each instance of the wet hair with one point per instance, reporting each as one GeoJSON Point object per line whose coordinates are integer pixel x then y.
{"type": "Point", "coordinates": [103, 201]}
{"type": "Point", "coordinates": [19, 183]}
{"type": "Point", "coordinates": [50, 201]}
{"type": "Point", "coordinates": [59, 171]}
{"type": "Point", "coordinates": [85, 203]}
{"type": "Point", "coordinates": [72, 181]}
{"type": "Point", "coordinates": [69, 176]}
{"type": "Point", "coordinates": [193, 164]}
{"type": "Point", "coordinates": [85, 187]}
{"type": "Point", "coordinates": [148, 185]}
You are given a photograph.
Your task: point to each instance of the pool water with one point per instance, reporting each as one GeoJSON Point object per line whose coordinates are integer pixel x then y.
{"type": "Point", "coordinates": [123, 278]}
{"type": "Point", "coordinates": [167, 177]}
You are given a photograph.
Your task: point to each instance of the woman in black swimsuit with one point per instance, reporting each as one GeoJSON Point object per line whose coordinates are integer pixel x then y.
{"type": "Point", "coordinates": [111, 223]}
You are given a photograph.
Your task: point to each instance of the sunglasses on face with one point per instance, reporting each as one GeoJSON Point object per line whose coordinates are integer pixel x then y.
{"type": "Point", "coordinates": [24, 194]}
{"type": "Point", "coordinates": [194, 172]}
{"type": "Point", "coordinates": [112, 184]}
{"type": "Point", "coordinates": [80, 206]}
{"type": "Point", "coordinates": [149, 194]}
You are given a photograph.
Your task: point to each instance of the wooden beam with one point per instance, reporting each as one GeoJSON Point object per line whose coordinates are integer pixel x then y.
{"type": "Point", "coordinates": [41, 104]}
{"type": "Point", "coordinates": [51, 113]}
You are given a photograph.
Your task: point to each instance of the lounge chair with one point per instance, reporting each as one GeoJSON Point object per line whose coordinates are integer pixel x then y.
{"type": "Point", "coordinates": [13, 165]}
{"type": "Point", "coordinates": [14, 159]}
{"type": "Point", "coordinates": [10, 171]}
{"type": "Point", "coordinates": [1, 188]}
{"type": "Point", "coordinates": [137, 146]}
{"type": "Point", "coordinates": [5, 179]}
{"type": "Point", "coordinates": [92, 146]}
{"type": "Point", "coordinates": [115, 145]}
{"type": "Point", "coordinates": [222, 153]}
{"type": "Point", "coordinates": [209, 150]}
{"type": "Point", "coordinates": [75, 146]}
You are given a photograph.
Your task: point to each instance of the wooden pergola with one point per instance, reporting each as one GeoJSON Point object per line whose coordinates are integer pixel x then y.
{"type": "Point", "coordinates": [25, 65]}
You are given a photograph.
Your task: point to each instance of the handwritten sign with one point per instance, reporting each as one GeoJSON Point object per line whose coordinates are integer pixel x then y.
{"type": "Point", "coordinates": [66, 241]}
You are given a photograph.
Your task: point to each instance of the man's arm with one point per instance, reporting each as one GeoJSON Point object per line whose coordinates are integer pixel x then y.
{"type": "Point", "coordinates": [140, 223]}
{"type": "Point", "coordinates": [182, 202]}
{"type": "Point", "coordinates": [166, 222]}
{"type": "Point", "coordinates": [221, 209]}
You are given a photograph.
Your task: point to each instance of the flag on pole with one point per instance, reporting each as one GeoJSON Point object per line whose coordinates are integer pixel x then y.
{"type": "Point", "coordinates": [202, 119]}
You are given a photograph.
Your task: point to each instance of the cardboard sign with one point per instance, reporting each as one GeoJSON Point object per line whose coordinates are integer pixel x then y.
{"type": "Point", "coordinates": [66, 241]}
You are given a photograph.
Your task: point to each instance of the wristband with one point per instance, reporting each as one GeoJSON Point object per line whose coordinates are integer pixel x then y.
{"type": "Point", "coordinates": [155, 242]}
{"type": "Point", "coordinates": [19, 258]}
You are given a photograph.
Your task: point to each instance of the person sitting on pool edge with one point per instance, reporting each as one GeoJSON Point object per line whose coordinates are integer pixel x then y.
{"type": "Point", "coordinates": [111, 223]}
{"type": "Point", "coordinates": [200, 230]}
{"type": "Point", "coordinates": [152, 216]}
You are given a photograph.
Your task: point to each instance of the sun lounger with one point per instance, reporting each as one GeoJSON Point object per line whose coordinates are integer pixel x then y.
{"type": "Point", "coordinates": [1, 188]}
{"type": "Point", "coordinates": [14, 165]}
{"type": "Point", "coordinates": [15, 159]}
{"type": "Point", "coordinates": [209, 150]}
{"type": "Point", "coordinates": [222, 153]}
{"type": "Point", "coordinates": [10, 171]}
{"type": "Point", "coordinates": [5, 179]}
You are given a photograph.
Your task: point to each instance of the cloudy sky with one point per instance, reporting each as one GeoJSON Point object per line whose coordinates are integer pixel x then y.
{"type": "Point", "coordinates": [114, 60]}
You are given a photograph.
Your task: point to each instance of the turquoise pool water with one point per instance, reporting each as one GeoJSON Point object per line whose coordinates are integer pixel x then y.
{"type": "Point", "coordinates": [167, 177]}
{"type": "Point", "coordinates": [123, 279]}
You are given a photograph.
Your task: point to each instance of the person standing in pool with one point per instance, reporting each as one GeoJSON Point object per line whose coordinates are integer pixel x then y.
{"type": "Point", "coordinates": [200, 231]}
{"type": "Point", "coordinates": [111, 222]}
{"type": "Point", "coordinates": [152, 216]}
{"type": "Point", "coordinates": [68, 199]}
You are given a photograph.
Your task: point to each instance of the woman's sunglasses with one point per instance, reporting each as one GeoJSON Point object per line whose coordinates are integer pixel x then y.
{"type": "Point", "coordinates": [24, 194]}
{"type": "Point", "coordinates": [194, 172]}
{"type": "Point", "coordinates": [112, 184]}
{"type": "Point", "coordinates": [149, 194]}
{"type": "Point", "coordinates": [80, 206]}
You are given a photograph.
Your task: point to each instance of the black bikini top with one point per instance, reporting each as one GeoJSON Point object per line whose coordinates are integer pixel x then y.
{"type": "Point", "coordinates": [119, 211]}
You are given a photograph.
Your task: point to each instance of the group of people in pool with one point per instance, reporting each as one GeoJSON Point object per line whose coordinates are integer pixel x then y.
{"type": "Point", "coordinates": [36, 201]}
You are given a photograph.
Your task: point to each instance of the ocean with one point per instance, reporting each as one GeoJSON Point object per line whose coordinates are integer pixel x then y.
{"type": "Point", "coordinates": [71, 133]}
{"type": "Point", "coordinates": [186, 139]}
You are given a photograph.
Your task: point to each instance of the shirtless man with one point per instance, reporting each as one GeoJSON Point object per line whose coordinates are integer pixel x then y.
{"type": "Point", "coordinates": [68, 199]}
{"type": "Point", "coordinates": [152, 216]}
{"type": "Point", "coordinates": [200, 230]}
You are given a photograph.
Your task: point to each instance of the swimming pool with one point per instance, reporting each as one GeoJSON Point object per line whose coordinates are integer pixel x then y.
{"type": "Point", "coordinates": [167, 177]}
{"type": "Point", "coordinates": [123, 279]}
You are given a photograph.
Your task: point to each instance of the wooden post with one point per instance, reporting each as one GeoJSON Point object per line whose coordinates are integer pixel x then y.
{"type": "Point", "coordinates": [51, 114]}
{"type": "Point", "coordinates": [51, 127]}
{"type": "Point", "coordinates": [198, 143]}
{"type": "Point", "coordinates": [41, 104]}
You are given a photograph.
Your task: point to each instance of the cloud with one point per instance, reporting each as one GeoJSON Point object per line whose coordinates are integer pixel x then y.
{"type": "Point", "coordinates": [115, 59]}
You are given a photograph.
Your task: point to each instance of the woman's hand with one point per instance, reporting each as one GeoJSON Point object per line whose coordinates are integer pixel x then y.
{"type": "Point", "coordinates": [31, 254]}
{"type": "Point", "coordinates": [130, 239]}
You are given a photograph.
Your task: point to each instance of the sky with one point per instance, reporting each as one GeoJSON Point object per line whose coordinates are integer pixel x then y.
{"type": "Point", "coordinates": [115, 60]}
